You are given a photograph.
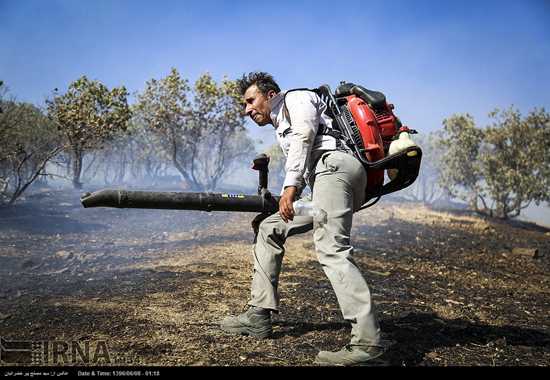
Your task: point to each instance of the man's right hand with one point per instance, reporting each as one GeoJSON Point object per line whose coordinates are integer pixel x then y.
{"type": "Point", "coordinates": [285, 203]}
{"type": "Point", "coordinates": [257, 220]}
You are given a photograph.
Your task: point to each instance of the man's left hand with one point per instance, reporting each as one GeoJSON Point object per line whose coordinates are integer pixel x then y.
{"type": "Point", "coordinates": [256, 222]}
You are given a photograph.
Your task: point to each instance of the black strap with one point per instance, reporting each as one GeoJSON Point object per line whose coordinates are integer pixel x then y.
{"type": "Point", "coordinates": [323, 129]}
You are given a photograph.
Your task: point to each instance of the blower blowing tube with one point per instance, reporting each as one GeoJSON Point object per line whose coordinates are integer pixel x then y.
{"type": "Point", "coordinates": [264, 202]}
{"type": "Point", "coordinates": [165, 200]}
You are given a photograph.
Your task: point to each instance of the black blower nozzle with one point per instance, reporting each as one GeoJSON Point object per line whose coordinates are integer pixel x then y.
{"type": "Point", "coordinates": [165, 200]}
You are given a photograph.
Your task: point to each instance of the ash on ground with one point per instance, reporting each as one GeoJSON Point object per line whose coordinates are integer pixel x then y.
{"type": "Point", "coordinates": [450, 288]}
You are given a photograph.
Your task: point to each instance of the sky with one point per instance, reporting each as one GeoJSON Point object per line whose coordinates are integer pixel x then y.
{"type": "Point", "coordinates": [432, 59]}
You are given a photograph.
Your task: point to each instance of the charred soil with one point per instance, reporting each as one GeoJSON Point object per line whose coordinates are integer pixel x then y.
{"type": "Point", "coordinates": [450, 288]}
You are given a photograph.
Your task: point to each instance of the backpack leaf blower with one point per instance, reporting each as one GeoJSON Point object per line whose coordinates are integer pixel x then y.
{"type": "Point", "coordinates": [370, 129]}
{"type": "Point", "coordinates": [362, 119]}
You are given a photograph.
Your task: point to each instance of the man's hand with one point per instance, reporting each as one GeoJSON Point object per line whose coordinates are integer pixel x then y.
{"type": "Point", "coordinates": [257, 220]}
{"type": "Point", "coordinates": [285, 203]}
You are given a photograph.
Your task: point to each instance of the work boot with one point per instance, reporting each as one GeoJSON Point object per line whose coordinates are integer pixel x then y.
{"type": "Point", "coordinates": [354, 356]}
{"type": "Point", "coordinates": [255, 322]}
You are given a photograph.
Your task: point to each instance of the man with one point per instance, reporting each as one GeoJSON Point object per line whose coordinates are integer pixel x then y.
{"type": "Point", "coordinates": [337, 181]}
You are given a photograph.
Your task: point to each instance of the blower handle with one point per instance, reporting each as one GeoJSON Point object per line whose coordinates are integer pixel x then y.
{"type": "Point", "coordinates": [261, 161]}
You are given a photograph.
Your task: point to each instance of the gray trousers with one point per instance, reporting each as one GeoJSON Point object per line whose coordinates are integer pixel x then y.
{"type": "Point", "coordinates": [338, 187]}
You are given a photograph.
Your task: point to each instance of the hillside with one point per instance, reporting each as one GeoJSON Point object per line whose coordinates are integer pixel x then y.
{"type": "Point", "coordinates": [451, 289]}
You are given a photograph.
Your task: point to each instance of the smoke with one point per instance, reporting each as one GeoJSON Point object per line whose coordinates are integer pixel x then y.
{"type": "Point", "coordinates": [49, 218]}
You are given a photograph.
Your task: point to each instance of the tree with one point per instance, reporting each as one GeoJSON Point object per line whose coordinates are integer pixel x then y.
{"type": "Point", "coordinates": [147, 161]}
{"type": "Point", "coordinates": [128, 155]}
{"type": "Point", "coordinates": [203, 137]}
{"type": "Point", "coordinates": [218, 113]}
{"type": "Point", "coordinates": [506, 166]}
{"type": "Point", "coordinates": [28, 142]}
{"type": "Point", "coordinates": [459, 169]}
{"type": "Point", "coordinates": [88, 115]}
{"type": "Point", "coordinates": [111, 161]}
{"type": "Point", "coordinates": [164, 110]}
{"type": "Point", "coordinates": [516, 164]}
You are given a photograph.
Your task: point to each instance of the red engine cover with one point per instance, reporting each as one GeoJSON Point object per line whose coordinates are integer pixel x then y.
{"type": "Point", "coordinates": [369, 125]}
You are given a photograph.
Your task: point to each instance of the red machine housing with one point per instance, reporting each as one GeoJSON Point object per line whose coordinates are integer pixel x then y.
{"type": "Point", "coordinates": [372, 129]}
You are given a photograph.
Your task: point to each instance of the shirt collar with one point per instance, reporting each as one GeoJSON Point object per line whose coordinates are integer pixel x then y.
{"type": "Point", "coordinates": [275, 104]}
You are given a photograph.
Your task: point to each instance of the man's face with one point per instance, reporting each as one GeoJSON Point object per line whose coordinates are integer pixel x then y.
{"type": "Point", "coordinates": [257, 105]}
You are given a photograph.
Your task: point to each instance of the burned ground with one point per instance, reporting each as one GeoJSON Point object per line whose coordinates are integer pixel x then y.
{"type": "Point", "coordinates": [451, 288]}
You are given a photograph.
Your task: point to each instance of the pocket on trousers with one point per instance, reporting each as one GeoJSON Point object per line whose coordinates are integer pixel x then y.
{"type": "Point", "coordinates": [328, 163]}
{"type": "Point", "coordinates": [332, 162]}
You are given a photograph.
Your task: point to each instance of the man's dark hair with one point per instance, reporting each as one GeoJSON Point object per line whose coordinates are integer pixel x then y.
{"type": "Point", "coordinates": [263, 81]}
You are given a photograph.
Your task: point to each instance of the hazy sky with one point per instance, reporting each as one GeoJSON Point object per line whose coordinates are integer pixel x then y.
{"type": "Point", "coordinates": [431, 58]}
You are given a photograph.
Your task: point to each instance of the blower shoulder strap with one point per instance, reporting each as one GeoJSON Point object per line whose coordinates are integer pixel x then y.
{"type": "Point", "coordinates": [285, 109]}
{"type": "Point", "coordinates": [323, 129]}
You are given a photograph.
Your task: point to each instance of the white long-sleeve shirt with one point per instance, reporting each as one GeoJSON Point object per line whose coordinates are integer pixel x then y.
{"type": "Point", "coordinates": [300, 143]}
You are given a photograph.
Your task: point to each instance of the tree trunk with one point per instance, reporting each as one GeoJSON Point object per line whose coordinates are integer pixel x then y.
{"type": "Point", "coordinates": [77, 168]}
